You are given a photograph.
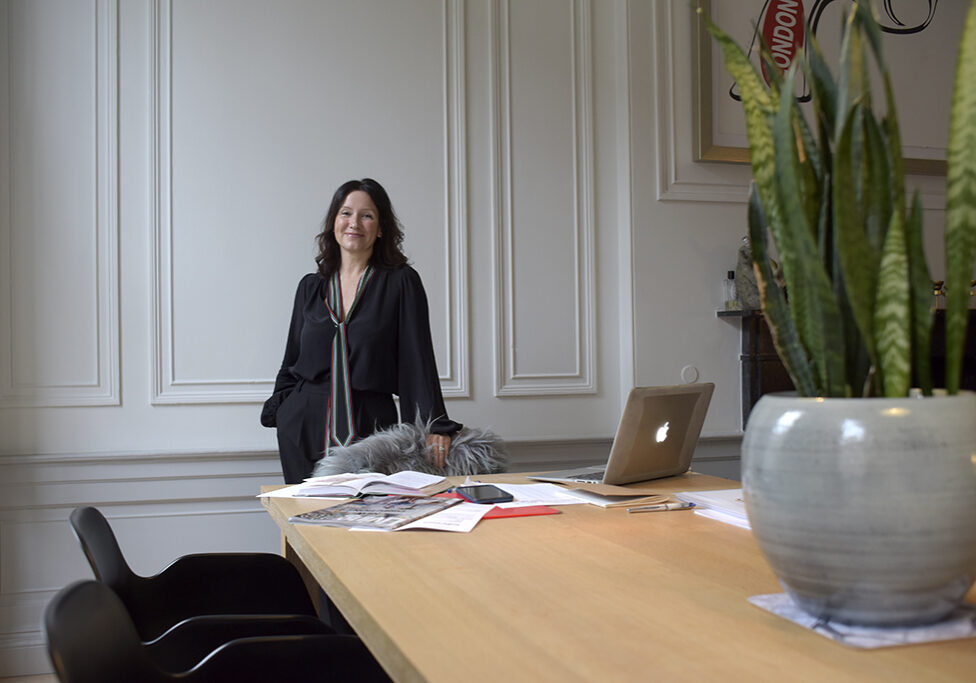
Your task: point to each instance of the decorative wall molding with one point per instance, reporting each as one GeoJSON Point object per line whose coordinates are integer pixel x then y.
{"type": "Point", "coordinates": [103, 390]}
{"type": "Point", "coordinates": [511, 380]}
{"type": "Point", "coordinates": [455, 378]}
{"type": "Point", "coordinates": [676, 175]}
{"type": "Point", "coordinates": [167, 387]}
{"type": "Point", "coordinates": [626, 251]}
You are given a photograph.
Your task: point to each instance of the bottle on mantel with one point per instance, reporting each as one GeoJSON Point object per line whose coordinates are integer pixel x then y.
{"type": "Point", "coordinates": [731, 302]}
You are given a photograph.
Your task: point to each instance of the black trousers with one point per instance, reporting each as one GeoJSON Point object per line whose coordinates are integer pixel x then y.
{"type": "Point", "coordinates": [301, 424]}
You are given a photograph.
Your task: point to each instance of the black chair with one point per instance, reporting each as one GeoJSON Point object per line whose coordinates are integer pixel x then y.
{"type": "Point", "coordinates": [190, 641]}
{"type": "Point", "coordinates": [91, 639]}
{"type": "Point", "coordinates": [193, 585]}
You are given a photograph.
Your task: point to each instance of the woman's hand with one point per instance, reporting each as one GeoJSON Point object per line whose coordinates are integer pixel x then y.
{"type": "Point", "coordinates": [438, 446]}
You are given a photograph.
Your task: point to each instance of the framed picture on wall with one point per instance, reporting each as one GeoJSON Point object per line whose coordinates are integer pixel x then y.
{"type": "Point", "coordinates": [921, 41]}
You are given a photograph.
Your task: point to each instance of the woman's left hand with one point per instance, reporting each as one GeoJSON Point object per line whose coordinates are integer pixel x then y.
{"type": "Point", "coordinates": [439, 446]}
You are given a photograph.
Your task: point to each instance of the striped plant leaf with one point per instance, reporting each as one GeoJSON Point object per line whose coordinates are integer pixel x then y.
{"type": "Point", "coordinates": [866, 20]}
{"type": "Point", "coordinates": [774, 305]}
{"type": "Point", "coordinates": [892, 327]}
{"type": "Point", "coordinates": [858, 319]}
{"type": "Point", "coordinates": [860, 263]}
{"type": "Point", "coordinates": [851, 79]}
{"type": "Point", "coordinates": [814, 307]}
{"type": "Point", "coordinates": [960, 241]}
{"type": "Point", "coordinates": [760, 105]}
{"type": "Point", "coordinates": [877, 177]}
{"type": "Point", "coordinates": [823, 86]}
{"type": "Point", "coordinates": [921, 298]}
{"type": "Point", "coordinates": [893, 324]}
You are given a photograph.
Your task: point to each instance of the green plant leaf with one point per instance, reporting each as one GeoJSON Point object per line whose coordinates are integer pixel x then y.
{"type": "Point", "coordinates": [834, 204]}
{"type": "Point", "coordinates": [812, 299]}
{"type": "Point", "coordinates": [852, 81]}
{"type": "Point", "coordinates": [921, 298]}
{"type": "Point", "coordinates": [759, 105]}
{"type": "Point", "coordinates": [822, 84]}
{"type": "Point", "coordinates": [774, 305]}
{"type": "Point", "coordinates": [860, 264]}
{"type": "Point", "coordinates": [960, 241]}
{"type": "Point", "coordinates": [892, 325]}
{"type": "Point", "coordinates": [811, 167]}
{"type": "Point", "coordinates": [897, 163]}
{"type": "Point", "coordinates": [877, 180]}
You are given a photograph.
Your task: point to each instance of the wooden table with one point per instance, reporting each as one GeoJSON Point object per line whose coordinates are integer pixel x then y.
{"type": "Point", "coordinates": [591, 594]}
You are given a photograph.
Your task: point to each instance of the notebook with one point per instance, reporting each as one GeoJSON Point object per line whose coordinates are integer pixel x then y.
{"type": "Point", "coordinates": [656, 437]}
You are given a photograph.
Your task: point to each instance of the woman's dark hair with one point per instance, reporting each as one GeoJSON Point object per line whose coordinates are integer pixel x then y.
{"type": "Point", "coordinates": [387, 251]}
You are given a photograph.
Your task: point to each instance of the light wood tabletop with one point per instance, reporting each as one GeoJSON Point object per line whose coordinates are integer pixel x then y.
{"type": "Point", "coordinates": [590, 594]}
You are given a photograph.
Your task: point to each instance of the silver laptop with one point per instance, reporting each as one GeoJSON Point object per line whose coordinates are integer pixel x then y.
{"type": "Point", "coordinates": [656, 437]}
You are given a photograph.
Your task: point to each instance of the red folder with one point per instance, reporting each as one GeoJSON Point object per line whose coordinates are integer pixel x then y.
{"type": "Point", "coordinates": [500, 512]}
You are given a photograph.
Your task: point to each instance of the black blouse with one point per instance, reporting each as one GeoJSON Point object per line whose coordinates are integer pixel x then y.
{"type": "Point", "coordinates": [390, 347]}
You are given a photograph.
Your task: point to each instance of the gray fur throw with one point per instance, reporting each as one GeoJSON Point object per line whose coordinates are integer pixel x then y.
{"type": "Point", "coordinates": [404, 447]}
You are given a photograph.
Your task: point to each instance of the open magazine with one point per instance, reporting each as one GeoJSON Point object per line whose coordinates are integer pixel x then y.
{"type": "Point", "coordinates": [376, 512]}
{"type": "Point", "coordinates": [406, 483]}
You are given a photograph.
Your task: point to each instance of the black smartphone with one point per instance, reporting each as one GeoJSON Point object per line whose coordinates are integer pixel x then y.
{"type": "Point", "coordinates": [483, 493]}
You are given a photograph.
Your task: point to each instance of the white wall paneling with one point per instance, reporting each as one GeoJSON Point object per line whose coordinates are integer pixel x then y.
{"type": "Point", "coordinates": [681, 249]}
{"type": "Point", "coordinates": [543, 166]}
{"type": "Point", "coordinates": [166, 164]}
{"type": "Point", "coordinates": [240, 132]}
{"type": "Point", "coordinates": [59, 321]}
{"type": "Point", "coordinates": [626, 343]}
{"type": "Point", "coordinates": [454, 363]}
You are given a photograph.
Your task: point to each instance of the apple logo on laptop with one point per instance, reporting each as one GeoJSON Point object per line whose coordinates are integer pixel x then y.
{"type": "Point", "coordinates": [662, 432]}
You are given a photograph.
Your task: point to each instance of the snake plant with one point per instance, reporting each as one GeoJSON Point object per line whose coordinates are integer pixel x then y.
{"type": "Point", "coordinates": [855, 318]}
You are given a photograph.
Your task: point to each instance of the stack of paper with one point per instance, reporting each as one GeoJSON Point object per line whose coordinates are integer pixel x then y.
{"type": "Point", "coordinates": [725, 505]}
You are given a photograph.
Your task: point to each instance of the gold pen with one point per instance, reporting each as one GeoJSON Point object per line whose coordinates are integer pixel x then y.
{"type": "Point", "coordinates": [662, 507]}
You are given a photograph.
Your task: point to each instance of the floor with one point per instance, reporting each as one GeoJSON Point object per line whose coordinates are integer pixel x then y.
{"type": "Point", "coordinates": [47, 678]}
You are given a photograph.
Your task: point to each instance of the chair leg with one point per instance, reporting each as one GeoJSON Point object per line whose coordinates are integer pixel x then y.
{"type": "Point", "coordinates": [328, 612]}
{"type": "Point", "coordinates": [311, 585]}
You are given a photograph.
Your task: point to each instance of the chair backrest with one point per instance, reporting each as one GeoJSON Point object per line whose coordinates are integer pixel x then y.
{"type": "Point", "coordinates": [91, 638]}
{"type": "Point", "coordinates": [101, 548]}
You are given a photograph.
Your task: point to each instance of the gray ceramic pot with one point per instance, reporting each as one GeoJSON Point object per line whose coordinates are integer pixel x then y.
{"type": "Point", "coordinates": [865, 508]}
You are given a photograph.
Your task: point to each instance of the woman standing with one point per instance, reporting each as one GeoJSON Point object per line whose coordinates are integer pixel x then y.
{"type": "Point", "coordinates": [359, 333]}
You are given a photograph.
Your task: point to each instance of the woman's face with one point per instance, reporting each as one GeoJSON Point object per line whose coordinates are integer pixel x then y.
{"type": "Point", "coordinates": [357, 225]}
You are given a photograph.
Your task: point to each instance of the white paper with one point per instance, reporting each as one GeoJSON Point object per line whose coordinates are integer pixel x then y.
{"type": "Point", "coordinates": [526, 495]}
{"type": "Point", "coordinates": [289, 492]}
{"type": "Point", "coordinates": [603, 501]}
{"type": "Point", "coordinates": [724, 517]}
{"type": "Point", "coordinates": [413, 480]}
{"type": "Point", "coordinates": [961, 623]}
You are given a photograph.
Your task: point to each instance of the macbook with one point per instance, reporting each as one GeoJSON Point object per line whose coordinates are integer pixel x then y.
{"type": "Point", "coordinates": [656, 437]}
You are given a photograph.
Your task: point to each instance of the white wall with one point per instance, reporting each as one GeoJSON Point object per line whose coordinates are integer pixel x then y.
{"type": "Point", "coordinates": [165, 165]}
